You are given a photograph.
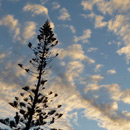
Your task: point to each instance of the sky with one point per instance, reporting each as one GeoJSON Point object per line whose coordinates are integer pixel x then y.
{"type": "Point", "coordinates": [91, 73]}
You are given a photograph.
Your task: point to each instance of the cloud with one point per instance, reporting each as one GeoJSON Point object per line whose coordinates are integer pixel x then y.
{"type": "Point", "coordinates": [36, 9]}
{"type": "Point", "coordinates": [22, 34]}
{"type": "Point", "coordinates": [43, 1]}
{"type": "Point", "coordinates": [75, 52]}
{"type": "Point", "coordinates": [97, 78]}
{"type": "Point", "coordinates": [106, 110]}
{"type": "Point", "coordinates": [92, 49]}
{"type": "Point", "coordinates": [89, 60]}
{"type": "Point", "coordinates": [111, 71]}
{"type": "Point", "coordinates": [2, 56]}
{"type": "Point", "coordinates": [8, 90]}
{"type": "Point", "coordinates": [87, 5]}
{"type": "Point", "coordinates": [56, 5]}
{"type": "Point", "coordinates": [91, 87]}
{"type": "Point", "coordinates": [13, 72]}
{"type": "Point", "coordinates": [64, 14]}
{"type": "Point", "coordinates": [98, 21]}
{"type": "Point", "coordinates": [91, 15]}
{"type": "Point", "coordinates": [125, 96]}
{"type": "Point", "coordinates": [72, 52]}
{"type": "Point", "coordinates": [71, 27]}
{"type": "Point", "coordinates": [128, 69]}
{"type": "Point", "coordinates": [12, 86]}
{"type": "Point", "coordinates": [12, 23]}
{"type": "Point", "coordinates": [121, 5]}
{"type": "Point", "coordinates": [73, 49]}
{"type": "Point", "coordinates": [69, 96]}
{"type": "Point", "coordinates": [63, 124]}
{"type": "Point", "coordinates": [98, 66]}
{"type": "Point", "coordinates": [119, 24]}
{"type": "Point", "coordinates": [52, 25]}
{"type": "Point", "coordinates": [114, 42]}
{"type": "Point", "coordinates": [99, 103]}
{"type": "Point", "coordinates": [28, 31]}
{"type": "Point", "coordinates": [114, 90]}
{"type": "Point", "coordinates": [74, 68]}
{"type": "Point", "coordinates": [84, 38]}
{"type": "Point", "coordinates": [104, 6]}
{"type": "Point", "coordinates": [107, 6]}
{"type": "Point", "coordinates": [125, 50]}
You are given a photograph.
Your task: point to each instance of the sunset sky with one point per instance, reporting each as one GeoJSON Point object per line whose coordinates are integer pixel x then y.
{"type": "Point", "coordinates": [91, 73]}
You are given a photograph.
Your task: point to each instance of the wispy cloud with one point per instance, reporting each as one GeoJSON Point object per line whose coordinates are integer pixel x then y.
{"type": "Point", "coordinates": [125, 96]}
{"type": "Point", "coordinates": [125, 50]}
{"type": "Point", "coordinates": [105, 110]}
{"type": "Point", "coordinates": [107, 6]}
{"type": "Point", "coordinates": [2, 56]}
{"type": "Point", "coordinates": [72, 52]}
{"type": "Point", "coordinates": [111, 71]}
{"type": "Point", "coordinates": [71, 27]}
{"type": "Point", "coordinates": [64, 14]}
{"type": "Point", "coordinates": [9, 21]}
{"type": "Point", "coordinates": [99, 102]}
{"type": "Point", "coordinates": [128, 69]}
{"type": "Point", "coordinates": [97, 78]}
{"type": "Point", "coordinates": [119, 24]}
{"type": "Point", "coordinates": [56, 5]}
{"type": "Point", "coordinates": [90, 60]}
{"type": "Point", "coordinates": [36, 9]}
{"type": "Point", "coordinates": [52, 25]}
{"type": "Point", "coordinates": [66, 77]}
{"type": "Point", "coordinates": [91, 49]}
{"type": "Point", "coordinates": [28, 31]}
{"type": "Point", "coordinates": [98, 66]}
{"type": "Point", "coordinates": [112, 6]}
{"type": "Point", "coordinates": [87, 5]}
{"type": "Point", "coordinates": [12, 23]}
{"type": "Point", "coordinates": [84, 38]}
{"type": "Point", "coordinates": [74, 68]}
{"type": "Point", "coordinates": [75, 52]}
{"type": "Point", "coordinates": [21, 33]}
{"type": "Point", "coordinates": [99, 21]}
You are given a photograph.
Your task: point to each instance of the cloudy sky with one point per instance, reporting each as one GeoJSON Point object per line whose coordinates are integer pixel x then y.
{"type": "Point", "coordinates": [92, 72]}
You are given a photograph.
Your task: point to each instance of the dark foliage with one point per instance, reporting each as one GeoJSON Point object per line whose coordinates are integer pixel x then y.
{"type": "Point", "coordinates": [34, 108]}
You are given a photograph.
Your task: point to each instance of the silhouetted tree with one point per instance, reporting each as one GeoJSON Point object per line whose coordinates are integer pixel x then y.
{"type": "Point", "coordinates": [34, 109]}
